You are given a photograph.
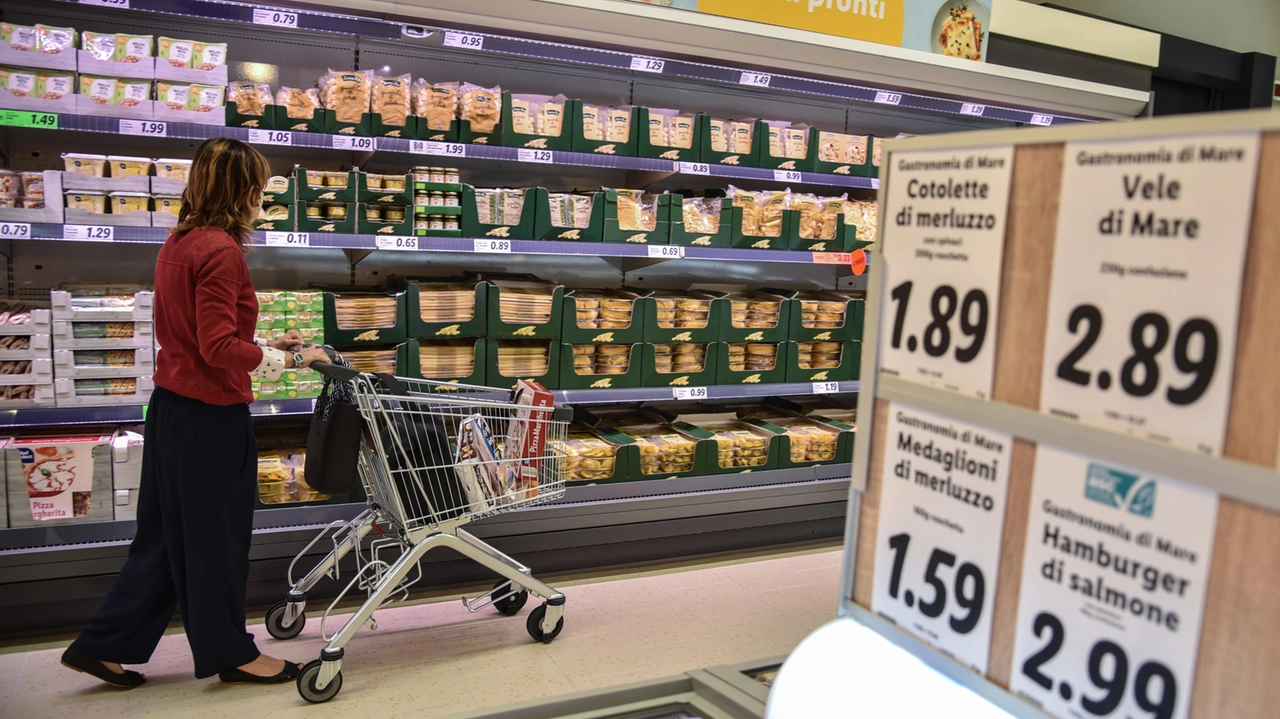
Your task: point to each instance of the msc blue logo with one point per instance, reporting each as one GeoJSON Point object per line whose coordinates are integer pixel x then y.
{"type": "Point", "coordinates": [1114, 488]}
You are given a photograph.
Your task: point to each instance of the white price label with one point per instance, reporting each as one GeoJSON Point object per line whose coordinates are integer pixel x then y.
{"type": "Point", "coordinates": [397, 242]}
{"type": "Point", "coordinates": [492, 245]}
{"type": "Point", "coordinates": [107, 3]}
{"type": "Point", "coordinates": [826, 387]}
{"type": "Point", "coordinates": [689, 392]}
{"type": "Point", "coordinates": [944, 227]}
{"type": "Point", "coordinates": [288, 239]}
{"type": "Point", "coordinates": [448, 149]}
{"type": "Point", "coordinates": [15, 231]}
{"type": "Point", "coordinates": [1144, 299]}
{"type": "Point", "coordinates": [971, 109]}
{"type": "Point", "coordinates": [271, 137]}
{"type": "Point", "coordinates": [669, 252]}
{"type": "Point", "coordinates": [888, 98]}
{"type": "Point", "coordinates": [463, 40]}
{"type": "Point", "coordinates": [278, 18]}
{"type": "Point", "coordinates": [535, 156]}
{"type": "Point", "coordinates": [1042, 119]}
{"type": "Point", "coordinates": [647, 64]}
{"type": "Point", "coordinates": [938, 538]}
{"type": "Point", "coordinates": [755, 79]}
{"type": "Point", "coordinates": [695, 168]}
{"type": "Point", "coordinates": [93, 233]}
{"type": "Point", "coordinates": [1113, 585]}
{"type": "Point", "coordinates": [787, 176]}
{"type": "Point", "coordinates": [145, 128]}
{"type": "Point", "coordinates": [348, 142]}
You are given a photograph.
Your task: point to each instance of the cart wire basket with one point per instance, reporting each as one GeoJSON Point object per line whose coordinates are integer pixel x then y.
{"type": "Point", "coordinates": [433, 457]}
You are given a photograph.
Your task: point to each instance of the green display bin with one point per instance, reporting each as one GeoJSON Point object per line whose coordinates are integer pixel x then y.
{"type": "Point", "coordinates": [346, 226]}
{"type": "Point", "coordinates": [495, 378]}
{"type": "Point", "coordinates": [306, 192]}
{"type": "Point", "coordinates": [854, 316]}
{"type": "Point", "coordinates": [815, 164]}
{"type": "Point", "coordinates": [653, 332]}
{"type": "Point", "coordinates": [845, 436]}
{"type": "Point", "coordinates": [546, 330]}
{"type": "Point", "coordinates": [363, 128]}
{"type": "Point", "coordinates": [432, 135]}
{"type": "Point", "coordinates": [736, 159]}
{"type": "Point", "coordinates": [704, 452]}
{"type": "Point", "coordinates": [777, 375]}
{"type": "Point", "coordinates": [265, 121]}
{"type": "Point", "coordinates": [364, 336]}
{"type": "Point", "coordinates": [644, 148]}
{"type": "Point", "coordinates": [770, 161]}
{"type": "Point", "coordinates": [593, 232]}
{"type": "Point", "coordinates": [659, 235]}
{"type": "Point", "coordinates": [466, 135]}
{"type": "Point", "coordinates": [365, 226]}
{"type": "Point", "coordinates": [741, 240]}
{"type": "Point", "coordinates": [284, 224]}
{"type": "Point", "coordinates": [408, 360]}
{"type": "Point", "coordinates": [777, 333]}
{"type": "Point", "coordinates": [846, 239]}
{"type": "Point", "coordinates": [651, 377]}
{"type": "Point", "coordinates": [713, 466]}
{"type": "Point", "coordinates": [509, 138]}
{"type": "Point", "coordinates": [849, 369]}
{"type": "Point", "coordinates": [279, 191]}
{"type": "Point", "coordinates": [625, 456]}
{"type": "Point", "coordinates": [571, 379]}
{"type": "Point", "coordinates": [476, 326]}
{"type": "Point", "coordinates": [723, 236]}
{"type": "Point", "coordinates": [471, 225]}
{"type": "Point", "coordinates": [579, 142]}
{"type": "Point", "coordinates": [572, 333]}
{"type": "Point", "coordinates": [318, 121]}
{"type": "Point", "coordinates": [407, 131]}
{"type": "Point", "coordinates": [381, 196]}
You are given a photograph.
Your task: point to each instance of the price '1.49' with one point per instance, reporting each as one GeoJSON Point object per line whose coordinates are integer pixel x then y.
{"type": "Point", "coordinates": [970, 587]}
{"type": "Point", "coordinates": [944, 306]}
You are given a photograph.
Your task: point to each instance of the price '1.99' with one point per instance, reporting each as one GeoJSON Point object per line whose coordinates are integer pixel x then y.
{"type": "Point", "coordinates": [971, 315]}
{"type": "Point", "coordinates": [968, 590]}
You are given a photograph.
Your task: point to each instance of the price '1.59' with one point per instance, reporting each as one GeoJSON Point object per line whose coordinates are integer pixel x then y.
{"type": "Point", "coordinates": [970, 587]}
{"type": "Point", "coordinates": [944, 306]}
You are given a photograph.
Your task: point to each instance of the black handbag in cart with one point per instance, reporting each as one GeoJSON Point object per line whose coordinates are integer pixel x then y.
{"type": "Point", "coordinates": [333, 441]}
{"type": "Point", "coordinates": [420, 459]}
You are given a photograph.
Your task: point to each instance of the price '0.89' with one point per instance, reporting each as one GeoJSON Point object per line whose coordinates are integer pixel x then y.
{"type": "Point", "coordinates": [974, 318]}
{"type": "Point", "coordinates": [968, 576]}
{"type": "Point", "coordinates": [1108, 671]}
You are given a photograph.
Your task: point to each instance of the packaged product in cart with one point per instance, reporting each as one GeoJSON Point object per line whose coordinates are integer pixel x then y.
{"type": "Point", "coordinates": [527, 437]}
{"type": "Point", "coordinates": [537, 114]}
{"type": "Point", "coordinates": [636, 212]}
{"type": "Point", "coordinates": [55, 40]}
{"type": "Point", "coordinates": [19, 37]}
{"type": "Point", "coordinates": [348, 93]}
{"type": "Point", "coordinates": [299, 104]}
{"type": "Point", "coordinates": [437, 103]}
{"type": "Point", "coordinates": [250, 98]}
{"type": "Point", "coordinates": [20, 82]}
{"type": "Point", "coordinates": [478, 464]}
{"type": "Point", "coordinates": [178, 53]}
{"type": "Point", "coordinates": [481, 106]}
{"type": "Point", "coordinates": [392, 97]}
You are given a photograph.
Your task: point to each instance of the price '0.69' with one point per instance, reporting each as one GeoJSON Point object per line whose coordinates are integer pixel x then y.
{"type": "Point", "coordinates": [1108, 671]}
{"type": "Point", "coordinates": [1148, 336]}
{"type": "Point", "coordinates": [968, 576]}
{"type": "Point", "coordinates": [943, 305]}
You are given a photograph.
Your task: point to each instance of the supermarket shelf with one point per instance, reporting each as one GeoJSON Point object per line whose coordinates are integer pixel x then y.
{"type": "Point", "coordinates": [125, 413]}
{"type": "Point", "coordinates": [244, 13]}
{"type": "Point", "coordinates": [454, 151]}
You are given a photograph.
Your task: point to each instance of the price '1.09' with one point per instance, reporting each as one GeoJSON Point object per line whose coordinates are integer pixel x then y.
{"type": "Point", "coordinates": [974, 317]}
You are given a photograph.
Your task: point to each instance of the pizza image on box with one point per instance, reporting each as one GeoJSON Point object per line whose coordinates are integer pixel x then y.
{"type": "Point", "coordinates": [59, 475]}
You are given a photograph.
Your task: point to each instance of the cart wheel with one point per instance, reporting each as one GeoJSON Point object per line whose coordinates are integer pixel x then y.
{"type": "Point", "coordinates": [307, 684]}
{"type": "Point", "coordinates": [275, 622]}
{"type": "Point", "coordinates": [534, 625]}
{"type": "Point", "coordinates": [511, 605]}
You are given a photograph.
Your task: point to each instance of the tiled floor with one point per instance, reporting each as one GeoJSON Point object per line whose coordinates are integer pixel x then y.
{"type": "Point", "coordinates": [435, 659]}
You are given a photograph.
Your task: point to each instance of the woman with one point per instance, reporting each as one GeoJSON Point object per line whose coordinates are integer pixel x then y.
{"type": "Point", "coordinates": [199, 464]}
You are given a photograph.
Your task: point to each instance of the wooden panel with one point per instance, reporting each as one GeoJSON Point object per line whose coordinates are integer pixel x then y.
{"type": "Point", "coordinates": [870, 516]}
{"type": "Point", "coordinates": [1005, 608]}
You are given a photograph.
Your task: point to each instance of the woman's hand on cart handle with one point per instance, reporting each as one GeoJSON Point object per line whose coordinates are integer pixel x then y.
{"type": "Point", "coordinates": [287, 341]}
{"type": "Point", "coordinates": [309, 354]}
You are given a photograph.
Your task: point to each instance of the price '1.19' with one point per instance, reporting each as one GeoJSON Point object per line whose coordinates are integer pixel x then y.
{"type": "Point", "coordinates": [944, 306]}
{"type": "Point", "coordinates": [970, 587]}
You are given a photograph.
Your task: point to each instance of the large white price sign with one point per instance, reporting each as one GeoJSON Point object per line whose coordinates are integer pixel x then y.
{"type": "Point", "coordinates": [938, 539]}
{"type": "Point", "coordinates": [1113, 585]}
{"type": "Point", "coordinates": [944, 229]}
{"type": "Point", "coordinates": [1143, 305]}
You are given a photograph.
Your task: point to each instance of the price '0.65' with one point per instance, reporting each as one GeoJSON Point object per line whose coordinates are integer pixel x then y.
{"type": "Point", "coordinates": [1148, 336]}
{"type": "Point", "coordinates": [967, 576]}
{"type": "Point", "coordinates": [974, 315]}
{"type": "Point", "coordinates": [1110, 676]}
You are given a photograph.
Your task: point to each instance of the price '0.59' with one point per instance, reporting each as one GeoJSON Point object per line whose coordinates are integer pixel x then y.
{"type": "Point", "coordinates": [968, 576]}
{"type": "Point", "coordinates": [1148, 336]}
{"type": "Point", "coordinates": [1108, 671]}
{"type": "Point", "coordinates": [974, 314]}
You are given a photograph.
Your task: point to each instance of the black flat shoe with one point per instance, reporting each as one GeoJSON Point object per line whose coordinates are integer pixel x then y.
{"type": "Point", "coordinates": [72, 659]}
{"type": "Point", "coordinates": [240, 676]}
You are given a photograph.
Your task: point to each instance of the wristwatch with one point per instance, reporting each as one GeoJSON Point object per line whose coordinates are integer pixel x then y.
{"type": "Point", "coordinates": [298, 360]}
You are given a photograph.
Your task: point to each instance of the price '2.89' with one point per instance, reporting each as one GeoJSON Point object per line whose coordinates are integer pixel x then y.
{"type": "Point", "coordinates": [974, 318]}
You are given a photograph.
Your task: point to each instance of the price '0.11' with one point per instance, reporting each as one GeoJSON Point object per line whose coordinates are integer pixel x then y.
{"type": "Point", "coordinates": [1110, 676]}
{"type": "Point", "coordinates": [967, 576]}
{"type": "Point", "coordinates": [974, 315]}
{"type": "Point", "coordinates": [1148, 336]}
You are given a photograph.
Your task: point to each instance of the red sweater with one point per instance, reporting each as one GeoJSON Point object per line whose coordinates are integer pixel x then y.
{"type": "Point", "coordinates": [206, 311]}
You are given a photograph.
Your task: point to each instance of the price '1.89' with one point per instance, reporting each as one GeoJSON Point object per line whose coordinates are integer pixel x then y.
{"type": "Point", "coordinates": [970, 587]}
{"type": "Point", "coordinates": [945, 304]}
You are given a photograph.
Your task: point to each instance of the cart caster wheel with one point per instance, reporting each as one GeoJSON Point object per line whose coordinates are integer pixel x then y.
{"type": "Point", "coordinates": [511, 605]}
{"type": "Point", "coordinates": [307, 684]}
{"type": "Point", "coordinates": [275, 622]}
{"type": "Point", "coordinates": [534, 625]}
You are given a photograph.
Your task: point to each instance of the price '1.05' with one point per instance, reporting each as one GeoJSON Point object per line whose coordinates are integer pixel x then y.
{"type": "Point", "coordinates": [944, 305]}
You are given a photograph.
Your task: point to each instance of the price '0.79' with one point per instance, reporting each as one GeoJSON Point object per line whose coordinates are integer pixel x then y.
{"type": "Point", "coordinates": [967, 576]}
{"type": "Point", "coordinates": [1108, 671]}
{"type": "Point", "coordinates": [974, 315]}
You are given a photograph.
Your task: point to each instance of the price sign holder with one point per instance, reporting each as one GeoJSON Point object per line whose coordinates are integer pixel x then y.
{"type": "Point", "coordinates": [1225, 663]}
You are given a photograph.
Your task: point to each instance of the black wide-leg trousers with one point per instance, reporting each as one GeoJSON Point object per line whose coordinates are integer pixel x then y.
{"type": "Point", "coordinates": [191, 549]}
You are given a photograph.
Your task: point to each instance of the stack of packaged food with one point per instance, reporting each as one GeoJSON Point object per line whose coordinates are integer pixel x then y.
{"type": "Point", "coordinates": [601, 359]}
{"type": "Point", "coordinates": [280, 311]}
{"type": "Point", "coordinates": [119, 189]}
{"type": "Point", "coordinates": [587, 457]}
{"type": "Point", "coordinates": [282, 476]}
{"type": "Point", "coordinates": [691, 310]}
{"type": "Point", "coordinates": [499, 207]}
{"type": "Point", "coordinates": [103, 344]}
{"type": "Point", "coordinates": [679, 357]}
{"type": "Point", "coordinates": [752, 356]}
{"type": "Point", "coordinates": [374, 361]}
{"type": "Point", "coordinates": [738, 444]}
{"type": "Point", "coordinates": [442, 359]}
{"type": "Point", "coordinates": [810, 441]}
{"type": "Point", "coordinates": [427, 198]}
{"type": "Point", "coordinates": [26, 355]}
{"type": "Point", "coordinates": [523, 358]}
{"type": "Point", "coordinates": [761, 211]}
{"type": "Point", "coordinates": [663, 450]}
{"type": "Point", "coordinates": [21, 189]}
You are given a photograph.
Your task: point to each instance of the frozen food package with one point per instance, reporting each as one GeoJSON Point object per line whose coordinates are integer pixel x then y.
{"type": "Point", "coordinates": [347, 93]}
{"type": "Point", "coordinates": [54, 40]}
{"type": "Point", "coordinates": [208, 55]}
{"type": "Point", "coordinates": [19, 37]}
{"type": "Point", "coordinates": [746, 201]}
{"type": "Point", "coordinates": [134, 92]}
{"type": "Point", "coordinates": [392, 98]}
{"type": "Point", "coordinates": [719, 134]}
{"type": "Point", "coordinates": [549, 120]}
{"type": "Point", "coordinates": [796, 142]}
{"type": "Point", "coordinates": [618, 124]}
{"type": "Point", "coordinates": [855, 149]}
{"type": "Point", "coordinates": [810, 214]}
{"type": "Point", "coordinates": [680, 131]}
{"type": "Point", "coordinates": [481, 106]}
{"type": "Point", "coordinates": [250, 98]}
{"type": "Point", "coordinates": [537, 114]}
{"type": "Point", "coordinates": [877, 146]}
{"type": "Point", "coordinates": [772, 203]}
{"type": "Point", "coordinates": [437, 102]}
{"type": "Point", "coordinates": [510, 206]}
{"type": "Point", "coordinates": [487, 206]}
{"type": "Point", "coordinates": [101, 45]}
{"type": "Point", "coordinates": [132, 48]}
{"type": "Point", "coordinates": [206, 98]}
{"type": "Point", "coordinates": [702, 215]}
{"type": "Point", "coordinates": [178, 53]}
{"type": "Point", "coordinates": [740, 136]}
{"type": "Point", "coordinates": [593, 123]}
{"type": "Point", "coordinates": [299, 104]}
{"type": "Point", "coordinates": [175, 95]}
{"type": "Point", "coordinates": [831, 209]}
{"type": "Point", "coordinates": [637, 213]}
{"type": "Point", "coordinates": [100, 90]}
{"type": "Point", "coordinates": [53, 84]}
{"type": "Point", "coordinates": [660, 126]}
{"type": "Point", "coordinates": [831, 146]}
{"type": "Point", "coordinates": [20, 82]}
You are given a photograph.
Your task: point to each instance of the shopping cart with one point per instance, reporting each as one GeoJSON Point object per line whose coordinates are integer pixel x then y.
{"type": "Point", "coordinates": [420, 495]}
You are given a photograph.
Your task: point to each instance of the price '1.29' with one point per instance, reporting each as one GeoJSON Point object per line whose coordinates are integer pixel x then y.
{"type": "Point", "coordinates": [970, 587]}
{"type": "Point", "coordinates": [1108, 671]}
{"type": "Point", "coordinates": [944, 305]}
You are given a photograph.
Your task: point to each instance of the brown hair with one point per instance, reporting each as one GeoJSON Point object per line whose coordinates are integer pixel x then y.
{"type": "Point", "coordinates": [224, 189]}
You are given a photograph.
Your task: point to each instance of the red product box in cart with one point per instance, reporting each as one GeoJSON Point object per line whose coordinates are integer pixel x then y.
{"type": "Point", "coordinates": [527, 437]}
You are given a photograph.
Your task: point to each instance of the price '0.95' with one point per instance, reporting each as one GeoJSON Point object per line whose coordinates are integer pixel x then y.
{"type": "Point", "coordinates": [968, 576]}
{"type": "Point", "coordinates": [1148, 336]}
{"type": "Point", "coordinates": [943, 305]}
{"type": "Point", "coordinates": [1108, 671]}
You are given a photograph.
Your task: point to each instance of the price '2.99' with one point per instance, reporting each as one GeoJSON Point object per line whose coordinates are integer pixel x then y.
{"type": "Point", "coordinates": [974, 318]}
{"type": "Point", "coordinates": [1108, 671]}
{"type": "Point", "coordinates": [968, 577]}
{"type": "Point", "coordinates": [1139, 374]}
